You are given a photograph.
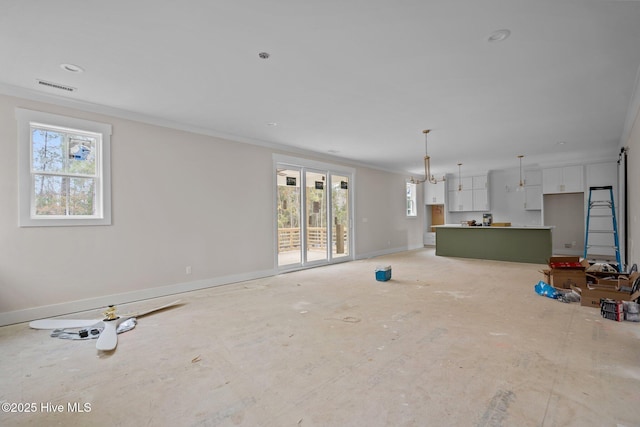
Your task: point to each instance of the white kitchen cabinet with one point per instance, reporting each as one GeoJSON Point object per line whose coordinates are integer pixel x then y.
{"type": "Point", "coordinates": [480, 200]}
{"type": "Point", "coordinates": [533, 190]}
{"type": "Point", "coordinates": [567, 179]}
{"type": "Point", "coordinates": [480, 193]}
{"type": "Point", "coordinates": [479, 182]}
{"type": "Point", "coordinates": [434, 194]}
{"type": "Point", "coordinates": [533, 198]}
{"type": "Point", "coordinates": [474, 196]}
{"type": "Point", "coordinates": [452, 183]}
{"type": "Point", "coordinates": [429, 238]}
{"type": "Point", "coordinates": [461, 201]}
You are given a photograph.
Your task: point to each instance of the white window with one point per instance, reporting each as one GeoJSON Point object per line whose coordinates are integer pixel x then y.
{"type": "Point", "coordinates": [64, 170]}
{"type": "Point", "coordinates": [412, 202]}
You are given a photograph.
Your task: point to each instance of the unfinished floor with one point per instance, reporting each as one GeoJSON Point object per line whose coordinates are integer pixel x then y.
{"type": "Point", "coordinates": [446, 342]}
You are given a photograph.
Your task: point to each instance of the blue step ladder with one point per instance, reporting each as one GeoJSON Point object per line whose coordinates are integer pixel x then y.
{"type": "Point", "coordinates": [604, 213]}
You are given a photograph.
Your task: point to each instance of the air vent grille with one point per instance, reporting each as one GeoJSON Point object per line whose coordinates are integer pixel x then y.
{"type": "Point", "coordinates": [56, 85]}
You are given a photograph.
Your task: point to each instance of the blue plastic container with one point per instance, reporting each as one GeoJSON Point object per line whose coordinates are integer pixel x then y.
{"type": "Point", "coordinates": [383, 273]}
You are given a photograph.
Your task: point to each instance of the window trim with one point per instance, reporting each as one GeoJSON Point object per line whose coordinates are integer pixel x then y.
{"type": "Point", "coordinates": [413, 199]}
{"type": "Point", "coordinates": [25, 118]}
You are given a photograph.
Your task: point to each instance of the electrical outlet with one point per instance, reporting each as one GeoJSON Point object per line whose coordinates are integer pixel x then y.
{"type": "Point", "coordinates": [187, 269]}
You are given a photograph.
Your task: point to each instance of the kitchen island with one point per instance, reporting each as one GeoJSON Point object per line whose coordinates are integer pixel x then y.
{"type": "Point", "coordinates": [530, 244]}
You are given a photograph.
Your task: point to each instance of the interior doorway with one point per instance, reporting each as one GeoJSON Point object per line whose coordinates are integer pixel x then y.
{"type": "Point", "coordinates": [565, 212]}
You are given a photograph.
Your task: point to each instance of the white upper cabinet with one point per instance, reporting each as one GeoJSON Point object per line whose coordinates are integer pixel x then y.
{"type": "Point", "coordinates": [434, 194]}
{"type": "Point", "coordinates": [567, 179]}
{"type": "Point", "coordinates": [479, 182]}
{"type": "Point", "coordinates": [480, 193]}
{"type": "Point", "coordinates": [473, 197]}
{"type": "Point", "coordinates": [533, 190]}
{"type": "Point", "coordinates": [453, 182]}
{"type": "Point", "coordinates": [461, 201]}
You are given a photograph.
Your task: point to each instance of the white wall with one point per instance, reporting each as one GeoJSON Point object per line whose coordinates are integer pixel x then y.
{"type": "Point", "coordinates": [634, 192]}
{"type": "Point", "coordinates": [178, 199]}
{"type": "Point", "coordinates": [378, 224]}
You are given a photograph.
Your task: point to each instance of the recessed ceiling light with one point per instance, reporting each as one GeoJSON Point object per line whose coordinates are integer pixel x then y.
{"type": "Point", "coordinates": [498, 36]}
{"type": "Point", "coordinates": [72, 68]}
{"type": "Point", "coordinates": [562, 142]}
{"type": "Point", "coordinates": [272, 124]}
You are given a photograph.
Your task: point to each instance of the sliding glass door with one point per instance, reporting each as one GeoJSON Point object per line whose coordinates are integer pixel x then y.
{"type": "Point", "coordinates": [340, 214]}
{"type": "Point", "coordinates": [316, 214]}
{"type": "Point", "coordinates": [313, 215]}
{"type": "Point", "coordinates": [289, 199]}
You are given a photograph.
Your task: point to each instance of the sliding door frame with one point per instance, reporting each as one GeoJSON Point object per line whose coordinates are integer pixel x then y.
{"type": "Point", "coordinates": [304, 166]}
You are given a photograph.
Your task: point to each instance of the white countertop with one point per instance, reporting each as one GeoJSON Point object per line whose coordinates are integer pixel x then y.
{"type": "Point", "coordinates": [518, 227]}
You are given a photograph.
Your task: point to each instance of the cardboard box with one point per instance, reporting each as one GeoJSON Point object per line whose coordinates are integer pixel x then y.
{"type": "Point", "coordinates": [568, 262]}
{"type": "Point", "coordinates": [566, 271]}
{"type": "Point", "coordinates": [609, 280]}
{"type": "Point", "coordinates": [590, 295]}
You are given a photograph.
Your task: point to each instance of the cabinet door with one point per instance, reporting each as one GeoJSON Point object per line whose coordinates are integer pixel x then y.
{"type": "Point", "coordinates": [466, 199]}
{"type": "Point", "coordinates": [434, 193]}
{"type": "Point", "coordinates": [467, 183]}
{"type": "Point", "coordinates": [568, 179]}
{"type": "Point", "coordinates": [480, 200]}
{"type": "Point", "coordinates": [461, 201]}
{"type": "Point", "coordinates": [479, 182]}
{"type": "Point", "coordinates": [533, 197]}
{"type": "Point", "coordinates": [552, 180]}
{"type": "Point", "coordinates": [452, 183]}
{"type": "Point", "coordinates": [429, 239]}
{"type": "Point", "coordinates": [573, 179]}
{"type": "Point", "coordinates": [454, 201]}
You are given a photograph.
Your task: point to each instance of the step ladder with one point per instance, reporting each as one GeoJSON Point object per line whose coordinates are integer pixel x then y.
{"type": "Point", "coordinates": [603, 214]}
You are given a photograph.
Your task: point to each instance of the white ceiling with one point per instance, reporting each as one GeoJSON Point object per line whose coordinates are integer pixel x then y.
{"type": "Point", "coordinates": [357, 79]}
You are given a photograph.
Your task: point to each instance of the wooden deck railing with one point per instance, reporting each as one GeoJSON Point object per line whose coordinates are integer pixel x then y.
{"type": "Point", "coordinates": [289, 238]}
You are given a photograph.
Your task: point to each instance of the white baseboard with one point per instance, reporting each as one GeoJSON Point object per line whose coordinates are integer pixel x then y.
{"type": "Point", "coordinates": [45, 311]}
{"type": "Point", "coordinates": [384, 252]}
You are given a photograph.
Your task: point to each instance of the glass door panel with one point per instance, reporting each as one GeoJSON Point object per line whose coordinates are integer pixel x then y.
{"type": "Point", "coordinates": [340, 216]}
{"type": "Point", "coordinates": [316, 210]}
{"type": "Point", "coordinates": [289, 215]}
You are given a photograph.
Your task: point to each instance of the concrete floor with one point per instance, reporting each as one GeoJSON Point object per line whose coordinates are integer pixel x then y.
{"type": "Point", "coordinates": [446, 342]}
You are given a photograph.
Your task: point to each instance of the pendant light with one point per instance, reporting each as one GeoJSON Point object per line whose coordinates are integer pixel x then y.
{"type": "Point", "coordinates": [521, 184]}
{"type": "Point", "coordinates": [427, 165]}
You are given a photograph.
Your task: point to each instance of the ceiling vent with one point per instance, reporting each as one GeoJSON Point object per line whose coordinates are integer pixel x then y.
{"type": "Point", "coordinates": [56, 85]}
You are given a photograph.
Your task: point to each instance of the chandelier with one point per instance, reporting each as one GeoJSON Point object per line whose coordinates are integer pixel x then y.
{"type": "Point", "coordinates": [427, 166]}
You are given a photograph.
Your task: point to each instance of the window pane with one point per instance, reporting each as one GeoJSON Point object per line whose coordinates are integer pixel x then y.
{"type": "Point", "coordinates": [411, 199]}
{"type": "Point", "coordinates": [81, 196]}
{"type": "Point", "coordinates": [289, 217]}
{"type": "Point", "coordinates": [63, 152]}
{"type": "Point", "coordinates": [48, 150]}
{"type": "Point", "coordinates": [49, 195]}
{"type": "Point", "coordinates": [340, 214]}
{"type": "Point", "coordinates": [82, 155]}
